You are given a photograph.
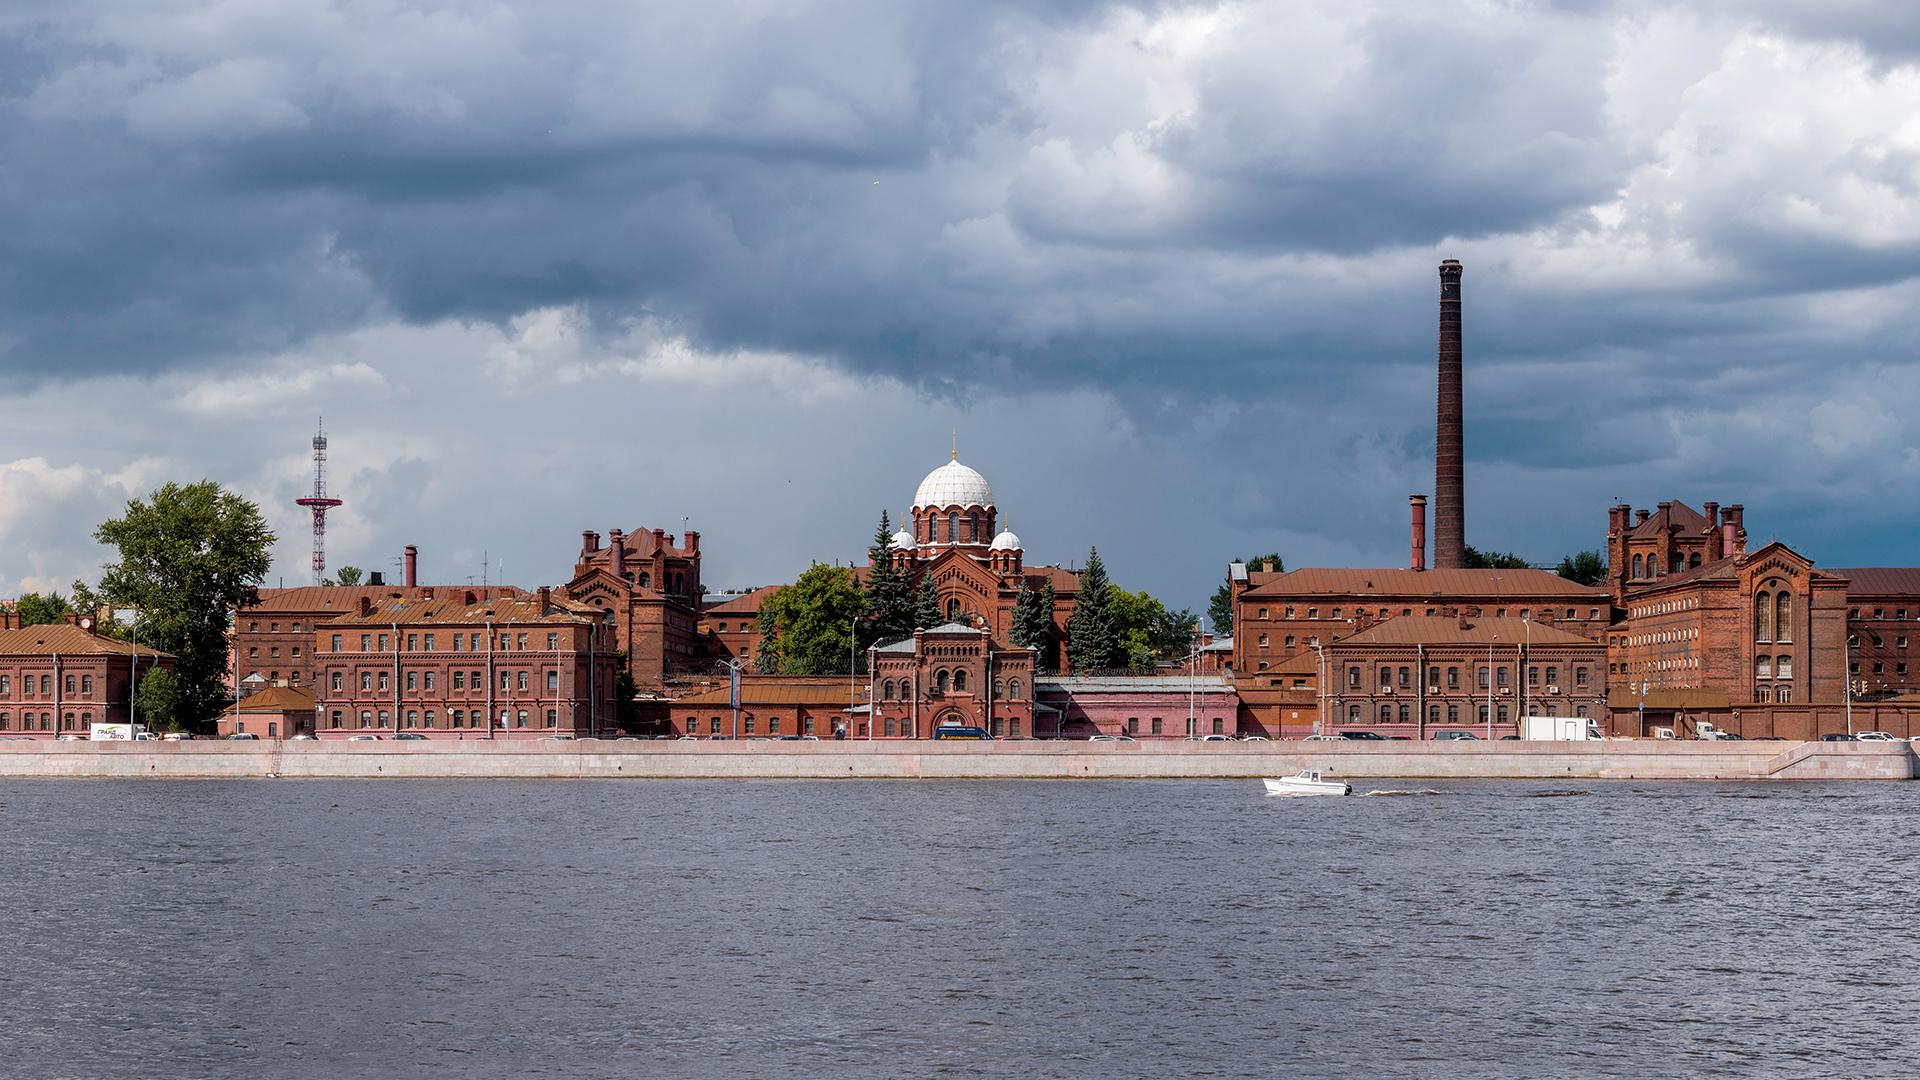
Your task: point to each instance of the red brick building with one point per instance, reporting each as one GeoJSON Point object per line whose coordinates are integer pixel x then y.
{"type": "Point", "coordinates": [1883, 625]}
{"type": "Point", "coordinates": [442, 664]}
{"type": "Point", "coordinates": [652, 590]}
{"type": "Point", "coordinates": [773, 706]}
{"type": "Point", "coordinates": [1140, 707]}
{"type": "Point", "coordinates": [951, 675]}
{"type": "Point", "coordinates": [730, 625]}
{"type": "Point", "coordinates": [62, 678]}
{"type": "Point", "coordinates": [278, 712]}
{"type": "Point", "coordinates": [273, 638]}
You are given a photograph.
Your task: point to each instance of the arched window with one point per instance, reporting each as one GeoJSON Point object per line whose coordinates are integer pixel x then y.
{"type": "Point", "coordinates": [960, 679]}
{"type": "Point", "coordinates": [940, 681]}
{"type": "Point", "coordinates": [1013, 689]}
{"type": "Point", "coordinates": [1783, 616]}
{"type": "Point", "coordinates": [953, 527]}
{"type": "Point", "coordinates": [1693, 560]}
{"type": "Point", "coordinates": [1763, 617]}
{"type": "Point", "coordinates": [646, 580]}
{"type": "Point", "coordinates": [999, 689]}
{"type": "Point", "coordinates": [1783, 694]}
{"type": "Point", "coordinates": [1763, 667]}
{"type": "Point", "coordinates": [973, 527]}
{"type": "Point", "coordinates": [1783, 667]}
{"type": "Point", "coordinates": [886, 690]}
{"type": "Point", "coordinates": [1638, 567]}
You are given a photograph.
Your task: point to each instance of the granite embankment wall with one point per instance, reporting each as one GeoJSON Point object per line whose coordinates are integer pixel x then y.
{"type": "Point", "coordinates": [1624, 760]}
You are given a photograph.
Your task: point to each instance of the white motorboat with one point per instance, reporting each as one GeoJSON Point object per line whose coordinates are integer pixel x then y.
{"type": "Point", "coordinates": [1307, 782]}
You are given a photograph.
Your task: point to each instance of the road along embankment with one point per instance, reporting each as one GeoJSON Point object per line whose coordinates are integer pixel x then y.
{"type": "Point", "coordinates": [1611, 760]}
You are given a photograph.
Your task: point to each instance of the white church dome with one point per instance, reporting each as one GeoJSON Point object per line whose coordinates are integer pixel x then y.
{"type": "Point", "coordinates": [903, 539]}
{"type": "Point", "coordinates": [953, 484]}
{"type": "Point", "coordinates": [1006, 541]}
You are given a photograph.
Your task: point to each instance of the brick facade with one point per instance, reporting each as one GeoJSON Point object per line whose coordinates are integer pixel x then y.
{"type": "Point", "coordinates": [652, 590]}
{"type": "Point", "coordinates": [62, 678]}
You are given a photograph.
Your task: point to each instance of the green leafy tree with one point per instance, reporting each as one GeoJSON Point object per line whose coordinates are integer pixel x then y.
{"type": "Point", "coordinates": [35, 609]}
{"type": "Point", "coordinates": [1584, 567]}
{"type": "Point", "coordinates": [161, 702]}
{"type": "Point", "coordinates": [350, 575]}
{"type": "Point", "coordinates": [188, 556]}
{"type": "Point", "coordinates": [1475, 559]}
{"type": "Point", "coordinates": [926, 605]}
{"type": "Point", "coordinates": [1148, 631]}
{"type": "Point", "coordinates": [889, 600]}
{"type": "Point", "coordinates": [1093, 642]}
{"type": "Point", "coordinates": [813, 620]}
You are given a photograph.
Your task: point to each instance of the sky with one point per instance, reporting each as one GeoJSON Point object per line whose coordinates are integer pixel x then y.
{"type": "Point", "coordinates": [1165, 270]}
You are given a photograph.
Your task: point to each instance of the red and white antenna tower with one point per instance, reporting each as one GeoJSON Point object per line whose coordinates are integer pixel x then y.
{"type": "Point", "coordinates": [319, 503]}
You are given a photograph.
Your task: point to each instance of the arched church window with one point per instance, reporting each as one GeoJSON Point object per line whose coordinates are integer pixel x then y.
{"type": "Point", "coordinates": [999, 688]}
{"type": "Point", "coordinates": [953, 527]}
{"type": "Point", "coordinates": [886, 690]}
{"type": "Point", "coordinates": [1013, 689]}
{"type": "Point", "coordinates": [960, 679]}
{"type": "Point", "coordinates": [646, 580]}
{"type": "Point", "coordinates": [940, 681]}
{"type": "Point", "coordinates": [1639, 568]}
{"type": "Point", "coordinates": [1763, 617]}
{"type": "Point", "coordinates": [1783, 616]}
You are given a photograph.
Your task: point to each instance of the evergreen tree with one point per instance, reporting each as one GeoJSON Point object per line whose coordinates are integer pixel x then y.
{"type": "Point", "coordinates": [889, 602]}
{"type": "Point", "coordinates": [1043, 624]}
{"type": "Point", "coordinates": [1475, 559]}
{"type": "Point", "coordinates": [926, 605]}
{"type": "Point", "coordinates": [1026, 609]}
{"type": "Point", "coordinates": [1093, 644]}
{"type": "Point", "coordinates": [766, 657]}
{"type": "Point", "coordinates": [1585, 567]}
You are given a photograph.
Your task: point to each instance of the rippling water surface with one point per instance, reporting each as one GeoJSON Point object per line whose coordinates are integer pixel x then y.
{"type": "Point", "coordinates": [638, 929]}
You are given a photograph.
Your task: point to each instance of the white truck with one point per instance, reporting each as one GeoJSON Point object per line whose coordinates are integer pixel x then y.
{"type": "Point", "coordinates": [1558, 729]}
{"type": "Point", "coordinates": [120, 733]}
{"type": "Point", "coordinates": [1708, 731]}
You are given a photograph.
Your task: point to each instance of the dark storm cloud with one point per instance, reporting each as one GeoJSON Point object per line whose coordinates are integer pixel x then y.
{"type": "Point", "coordinates": [1669, 211]}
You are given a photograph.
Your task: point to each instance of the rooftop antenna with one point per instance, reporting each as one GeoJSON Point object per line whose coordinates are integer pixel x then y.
{"type": "Point", "coordinates": [318, 502]}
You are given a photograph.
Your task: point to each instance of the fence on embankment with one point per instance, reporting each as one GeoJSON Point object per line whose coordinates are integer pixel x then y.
{"type": "Point", "coordinates": [1610, 760]}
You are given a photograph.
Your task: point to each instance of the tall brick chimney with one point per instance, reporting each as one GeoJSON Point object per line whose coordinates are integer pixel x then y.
{"type": "Point", "coordinates": [1449, 462]}
{"type": "Point", "coordinates": [617, 552]}
{"type": "Point", "coordinates": [1419, 538]}
{"type": "Point", "coordinates": [1716, 549]}
{"type": "Point", "coordinates": [411, 556]}
{"type": "Point", "coordinates": [589, 542]}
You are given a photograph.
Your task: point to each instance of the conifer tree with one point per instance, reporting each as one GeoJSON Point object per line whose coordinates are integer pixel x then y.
{"type": "Point", "coordinates": [889, 602]}
{"type": "Point", "coordinates": [1026, 604]}
{"type": "Point", "coordinates": [1043, 619]}
{"type": "Point", "coordinates": [1092, 642]}
{"type": "Point", "coordinates": [926, 605]}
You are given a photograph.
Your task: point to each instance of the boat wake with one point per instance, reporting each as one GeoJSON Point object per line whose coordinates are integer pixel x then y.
{"type": "Point", "coordinates": [1403, 791]}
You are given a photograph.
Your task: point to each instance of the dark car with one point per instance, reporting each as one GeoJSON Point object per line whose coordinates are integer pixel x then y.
{"type": "Point", "coordinates": [409, 736]}
{"type": "Point", "coordinates": [1836, 736]}
{"type": "Point", "coordinates": [1455, 735]}
{"type": "Point", "coordinates": [1373, 736]}
{"type": "Point", "coordinates": [952, 731]}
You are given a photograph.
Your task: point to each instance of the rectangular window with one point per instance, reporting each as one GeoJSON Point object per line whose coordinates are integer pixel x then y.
{"type": "Point", "coordinates": [773, 725]}
{"type": "Point", "coordinates": [506, 680]}
{"type": "Point", "coordinates": [1579, 676]}
{"type": "Point", "coordinates": [383, 680]}
{"type": "Point", "coordinates": [459, 680]}
{"type": "Point", "coordinates": [413, 680]}
{"type": "Point", "coordinates": [553, 680]}
{"type": "Point", "coordinates": [366, 642]}
{"type": "Point", "coordinates": [335, 642]}
{"type": "Point", "coordinates": [522, 641]}
{"type": "Point", "coordinates": [458, 640]}
{"type": "Point", "coordinates": [553, 641]}
{"type": "Point", "coordinates": [413, 642]}
{"type": "Point", "coordinates": [1453, 677]}
{"type": "Point", "coordinates": [383, 643]}
{"type": "Point", "coordinates": [1157, 726]}
{"type": "Point", "coordinates": [337, 681]}
{"type": "Point", "coordinates": [428, 680]}
{"type": "Point", "coordinates": [521, 679]}
{"type": "Point", "coordinates": [429, 644]}
{"type": "Point", "coordinates": [746, 726]}
{"type": "Point", "coordinates": [1133, 725]}
{"type": "Point", "coordinates": [1219, 726]}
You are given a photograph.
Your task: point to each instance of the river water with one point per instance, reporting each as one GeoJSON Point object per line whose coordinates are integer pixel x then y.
{"type": "Point", "coordinates": [384, 929]}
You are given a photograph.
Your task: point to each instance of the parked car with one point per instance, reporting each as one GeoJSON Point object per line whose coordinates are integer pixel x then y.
{"type": "Point", "coordinates": [687, 738]}
{"type": "Point", "coordinates": [363, 738]}
{"type": "Point", "coordinates": [70, 737]}
{"type": "Point", "coordinates": [799, 738]}
{"type": "Point", "coordinates": [556, 738]}
{"type": "Point", "coordinates": [243, 736]}
{"type": "Point", "coordinates": [1836, 736]}
{"type": "Point", "coordinates": [305, 736]}
{"type": "Point", "coordinates": [1216, 738]}
{"type": "Point", "coordinates": [1254, 738]}
{"type": "Point", "coordinates": [1874, 736]}
{"type": "Point", "coordinates": [1455, 736]}
{"type": "Point", "coordinates": [177, 736]}
{"type": "Point", "coordinates": [409, 736]}
{"type": "Point", "coordinates": [1325, 738]}
{"type": "Point", "coordinates": [1363, 736]}
{"type": "Point", "coordinates": [1111, 738]}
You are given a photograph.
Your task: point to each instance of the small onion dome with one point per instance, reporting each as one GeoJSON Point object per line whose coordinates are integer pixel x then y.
{"type": "Point", "coordinates": [903, 539]}
{"type": "Point", "coordinates": [1006, 541]}
{"type": "Point", "coordinates": [954, 484]}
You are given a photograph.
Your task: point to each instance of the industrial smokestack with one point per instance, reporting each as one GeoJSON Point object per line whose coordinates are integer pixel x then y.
{"type": "Point", "coordinates": [1449, 464]}
{"type": "Point", "coordinates": [412, 565]}
{"type": "Point", "coordinates": [1419, 558]}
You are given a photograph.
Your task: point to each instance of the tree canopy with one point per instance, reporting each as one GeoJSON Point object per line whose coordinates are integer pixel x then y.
{"type": "Point", "coordinates": [811, 624]}
{"type": "Point", "coordinates": [1585, 567]}
{"type": "Point", "coordinates": [348, 575]}
{"type": "Point", "coordinates": [188, 556]}
{"type": "Point", "coordinates": [1220, 606]}
{"type": "Point", "coordinates": [35, 609]}
{"type": "Point", "coordinates": [1493, 560]}
{"type": "Point", "coordinates": [1148, 632]}
{"type": "Point", "coordinates": [889, 607]}
{"type": "Point", "coordinates": [1093, 641]}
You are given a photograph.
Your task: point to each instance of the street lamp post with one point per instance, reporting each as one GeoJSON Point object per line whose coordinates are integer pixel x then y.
{"type": "Point", "coordinates": [1849, 676]}
{"type": "Point", "coordinates": [1490, 682]}
{"type": "Point", "coordinates": [1320, 681]}
{"type": "Point", "coordinates": [1643, 707]}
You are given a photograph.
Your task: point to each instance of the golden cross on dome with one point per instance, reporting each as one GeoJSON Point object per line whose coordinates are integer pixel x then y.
{"type": "Point", "coordinates": [956, 445]}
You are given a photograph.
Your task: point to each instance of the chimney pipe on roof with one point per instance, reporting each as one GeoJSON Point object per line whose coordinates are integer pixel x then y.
{"type": "Point", "coordinates": [1640, 518]}
{"type": "Point", "coordinates": [693, 542]}
{"type": "Point", "coordinates": [376, 579]}
{"type": "Point", "coordinates": [412, 563]}
{"type": "Point", "coordinates": [1449, 459]}
{"type": "Point", "coordinates": [589, 542]}
{"type": "Point", "coordinates": [1419, 539]}
{"type": "Point", "coordinates": [546, 598]}
{"type": "Point", "coordinates": [617, 552]}
{"type": "Point", "coordinates": [1733, 529]}
{"type": "Point", "coordinates": [1716, 549]}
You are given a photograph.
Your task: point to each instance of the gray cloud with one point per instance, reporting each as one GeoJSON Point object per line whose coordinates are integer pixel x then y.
{"type": "Point", "coordinates": [1683, 224]}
